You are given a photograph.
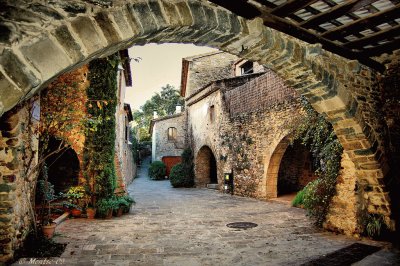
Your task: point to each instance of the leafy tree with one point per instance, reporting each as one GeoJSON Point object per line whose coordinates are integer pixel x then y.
{"type": "Point", "coordinates": [163, 103]}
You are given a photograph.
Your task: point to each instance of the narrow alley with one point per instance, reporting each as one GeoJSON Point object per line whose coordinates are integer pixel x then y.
{"type": "Point", "coordinates": [170, 226]}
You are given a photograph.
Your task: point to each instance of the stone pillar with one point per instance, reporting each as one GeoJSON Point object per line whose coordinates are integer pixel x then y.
{"type": "Point", "coordinates": [18, 152]}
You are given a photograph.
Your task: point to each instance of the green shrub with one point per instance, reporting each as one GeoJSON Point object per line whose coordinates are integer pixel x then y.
{"type": "Point", "coordinates": [157, 170]}
{"type": "Point", "coordinates": [179, 177]}
{"type": "Point", "coordinates": [299, 199]}
{"type": "Point", "coordinates": [104, 205]}
{"type": "Point", "coordinates": [182, 175]}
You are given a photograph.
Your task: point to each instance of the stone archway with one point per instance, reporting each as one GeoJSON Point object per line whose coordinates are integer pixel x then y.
{"type": "Point", "coordinates": [63, 167]}
{"type": "Point", "coordinates": [295, 170]}
{"type": "Point", "coordinates": [205, 167]}
{"type": "Point", "coordinates": [64, 36]}
{"type": "Point", "coordinates": [273, 168]}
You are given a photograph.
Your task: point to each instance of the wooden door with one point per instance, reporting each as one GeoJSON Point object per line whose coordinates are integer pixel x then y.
{"type": "Point", "coordinates": [170, 161]}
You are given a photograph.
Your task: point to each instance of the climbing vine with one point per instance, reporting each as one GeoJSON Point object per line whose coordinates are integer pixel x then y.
{"type": "Point", "coordinates": [317, 134]}
{"type": "Point", "coordinates": [100, 134]}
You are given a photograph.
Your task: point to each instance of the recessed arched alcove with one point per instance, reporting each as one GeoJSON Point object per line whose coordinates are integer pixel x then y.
{"type": "Point", "coordinates": [63, 166]}
{"type": "Point", "coordinates": [295, 170]}
{"type": "Point", "coordinates": [205, 167]}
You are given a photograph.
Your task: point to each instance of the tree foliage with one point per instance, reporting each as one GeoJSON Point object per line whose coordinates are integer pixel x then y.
{"type": "Point", "coordinates": [163, 103]}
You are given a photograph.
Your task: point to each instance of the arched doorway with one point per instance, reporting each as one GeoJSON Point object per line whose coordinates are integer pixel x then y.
{"type": "Point", "coordinates": [63, 167]}
{"type": "Point", "coordinates": [289, 170]}
{"type": "Point", "coordinates": [206, 168]}
{"type": "Point", "coordinates": [295, 170]}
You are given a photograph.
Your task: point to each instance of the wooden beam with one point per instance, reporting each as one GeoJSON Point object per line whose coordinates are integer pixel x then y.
{"type": "Point", "coordinates": [265, 3]}
{"type": "Point", "coordinates": [291, 6]}
{"type": "Point", "coordinates": [374, 38]}
{"type": "Point", "coordinates": [335, 12]}
{"type": "Point", "coordinates": [367, 22]}
{"type": "Point", "coordinates": [289, 28]}
{"type": "Point", "coordinates": [381, 49]}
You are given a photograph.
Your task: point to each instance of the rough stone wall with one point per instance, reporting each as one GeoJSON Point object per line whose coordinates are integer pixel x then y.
{"type": "Point", "coordinates": [124, 164]}
{"type": "Point", "coordinates": [18, 155]}
{"type": "Point", "coordinates": [342, 215]}
{"type": "Point", "coordinates": [161, 145]}
{"type": "Point", "coordinates": [204, 69]}
{"type": "Point", "coordinates": [204, 130]}
{"type": "Point", "coordinates": [251, 140]}
{"type": "Point", "coordinates": [389, 84]}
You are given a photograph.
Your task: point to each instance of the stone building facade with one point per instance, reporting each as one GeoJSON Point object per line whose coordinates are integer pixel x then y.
{"type": "Point", "coordinates": [241, 124]}
{"type": "Point", "coordinates": [168, 139]}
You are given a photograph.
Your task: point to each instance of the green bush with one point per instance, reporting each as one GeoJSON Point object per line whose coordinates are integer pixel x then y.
{"type": "Point", "coordinates": [299, 199]}
{"type": "Point", "coordinates": [157, 170]}
{"type": "Point", "coordinates": [182, 175]}
{"type": "Point", "coordinates": [179, 178]}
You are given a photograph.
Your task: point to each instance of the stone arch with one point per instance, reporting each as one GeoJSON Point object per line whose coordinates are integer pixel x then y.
{"type": "Point", "coordinates": [295, 170]}
{"type": "Point", "coordinates": [205, 167]}
{"type": "Point", "coordinates": [63, 37]}
{"type": "Point", "coordinates": [63, 167]}
{"type": "Point", "coordinates": [273, 168]}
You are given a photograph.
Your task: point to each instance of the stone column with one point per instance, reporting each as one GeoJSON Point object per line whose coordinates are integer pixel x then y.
{"type": "Point", "coordinates": [18, 152]}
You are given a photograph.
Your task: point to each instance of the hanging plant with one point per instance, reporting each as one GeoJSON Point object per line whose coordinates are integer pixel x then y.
{"type": "Point", "coordinates": [317, 134]}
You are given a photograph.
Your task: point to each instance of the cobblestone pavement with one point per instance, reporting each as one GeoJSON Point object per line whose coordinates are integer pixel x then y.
{"type": "Point", "coordinates": [171, 226]}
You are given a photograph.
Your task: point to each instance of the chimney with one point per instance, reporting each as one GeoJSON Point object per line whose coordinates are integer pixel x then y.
{"type": "Point", "coordinates": [178, 109]}
{"type": "Point", "coordinates": [155, 116]}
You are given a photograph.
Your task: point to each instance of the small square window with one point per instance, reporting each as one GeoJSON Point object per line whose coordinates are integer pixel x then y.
{"type": "Point", "coordinates": [246, 68]}
{"type": "Point", "coordinates": [172, 133]}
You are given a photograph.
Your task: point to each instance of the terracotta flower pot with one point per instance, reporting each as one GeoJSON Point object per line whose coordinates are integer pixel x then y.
{"type": "Point", "coordinates": [91, 213]}
{"type": "Point", "coordinates": [76, 213]}
{"type": "Point", "coordinates": [120, 211]}
{"type": "Point", "coordinates": [109, 214]}
{"type": "Point", "coordinates": [48, 230]}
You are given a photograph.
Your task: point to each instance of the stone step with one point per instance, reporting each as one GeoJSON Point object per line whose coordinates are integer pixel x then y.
{"type": "Point", "coordinates": [213, 186]}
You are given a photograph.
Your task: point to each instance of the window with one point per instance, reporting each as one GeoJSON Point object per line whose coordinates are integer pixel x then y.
{"type": "Point", "coordinates": [172, 133]}
{"type": "Point", "coordinates": [246, 68]}
{"type": "Point", "coordinates": [212, 113]}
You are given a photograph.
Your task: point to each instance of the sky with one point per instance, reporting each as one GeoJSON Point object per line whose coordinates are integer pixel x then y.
{"type": "Point", "coordinates": [159, 65]}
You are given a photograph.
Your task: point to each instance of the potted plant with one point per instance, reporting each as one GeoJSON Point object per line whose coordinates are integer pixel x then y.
{"type": "Point", "coordinates": [105, 207]}
{"type": "Point", "coordinates": [129, 201]}
{"type": "Point", "coordinates": [89, 206]}
{"type": "Point", "coordinates": [47, 196]}
{"type": "Point", "coordinates": [75, 196]}
{"type": "Point", "coordinates": [121, 204]}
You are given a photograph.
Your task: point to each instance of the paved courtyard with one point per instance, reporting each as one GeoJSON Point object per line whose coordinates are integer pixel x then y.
{"type": "Point", "coordinates": [170, 226]}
